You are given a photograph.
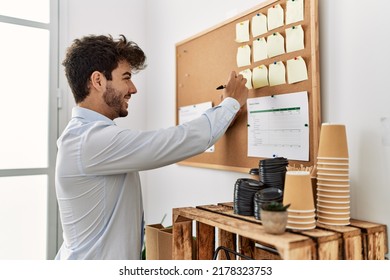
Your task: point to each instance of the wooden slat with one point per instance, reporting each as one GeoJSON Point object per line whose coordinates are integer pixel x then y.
{"type": "Point", "coordinates": [228, 211]}
{"type": "Point", "coordinates": [246, 247]}
{"type": "Point", "coordinates": [182, 239]}
{"type": "Point", "coordinates": [266, 254]}
{"type": "Point", "coordinates": [350, 241]}
{"type": "Point", "coordinates": [374, 239]}
{"type": "Point", "coordinates": [228, 240]}
{"type": "Point", "coordinates": [326, 243]}
{"type": "Point", "coordinates": [206, 241]}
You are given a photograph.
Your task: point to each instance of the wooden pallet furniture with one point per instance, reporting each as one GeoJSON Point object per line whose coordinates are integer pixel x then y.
{"type": "Point", "coordinates": [217, 225]}
{"type": "Point", "coordinates": [374, 239]}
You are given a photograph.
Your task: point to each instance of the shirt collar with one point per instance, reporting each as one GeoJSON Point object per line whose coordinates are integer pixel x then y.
{"type": "Point", "coordinates": [90, 115]}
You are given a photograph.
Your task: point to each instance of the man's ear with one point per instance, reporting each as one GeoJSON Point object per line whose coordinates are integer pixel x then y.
{"type": "Point", "coordinates": [98, 81]}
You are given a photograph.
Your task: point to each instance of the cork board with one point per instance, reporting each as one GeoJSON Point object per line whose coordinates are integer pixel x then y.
{"type": "Point", "coordinates": [204, 61]}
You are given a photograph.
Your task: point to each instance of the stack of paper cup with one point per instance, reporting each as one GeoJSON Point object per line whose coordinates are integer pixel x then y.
{"type": "Point", "coordinates": [333, 188]}
{"type": "Point", "coordinates": [299, 193]}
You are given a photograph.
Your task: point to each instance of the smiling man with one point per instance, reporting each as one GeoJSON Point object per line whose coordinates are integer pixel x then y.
{"type": "Point", "coordinates": [97, 180]}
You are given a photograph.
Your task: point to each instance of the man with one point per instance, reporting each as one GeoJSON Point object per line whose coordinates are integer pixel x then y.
{"type": "Point", "coordinates": [97, 180]}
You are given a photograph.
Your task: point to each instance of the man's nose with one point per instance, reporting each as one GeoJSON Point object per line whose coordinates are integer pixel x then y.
{"type": "Point", "coordinates": [132, 88]}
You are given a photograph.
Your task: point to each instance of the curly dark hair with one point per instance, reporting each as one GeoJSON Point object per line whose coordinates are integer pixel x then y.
{"type": "Point", "coordinates": [98, 53]}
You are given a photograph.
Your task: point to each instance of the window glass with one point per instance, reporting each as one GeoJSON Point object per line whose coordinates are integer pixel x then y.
{"type": "Point", "coordinates": [35, 10]}
{"type": "Point", "coordinates": [23, 216]}
{"type": "Point", "coordinates": [24, 111]}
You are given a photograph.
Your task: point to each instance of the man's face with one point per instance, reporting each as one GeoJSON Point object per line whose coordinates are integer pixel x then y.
{"type": "Point", "coordinates": [119, 90]}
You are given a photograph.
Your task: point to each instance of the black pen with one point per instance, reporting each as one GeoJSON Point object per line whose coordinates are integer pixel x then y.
{"type": "Point", "coordinates": [221, 87]}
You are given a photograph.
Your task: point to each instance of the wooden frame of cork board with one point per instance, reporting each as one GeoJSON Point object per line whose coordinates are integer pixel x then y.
{"type": "Point", "coordinates": [204, 62]}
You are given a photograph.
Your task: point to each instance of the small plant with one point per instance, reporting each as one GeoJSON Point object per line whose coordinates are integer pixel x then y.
{"type": "Point", "coordinates": [274, 217]}
{"type": "Point", "coordinates": [274, 206]}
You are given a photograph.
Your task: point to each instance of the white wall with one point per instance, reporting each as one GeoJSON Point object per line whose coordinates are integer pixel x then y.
{"type": "Point", "coordinates": [354, 89]}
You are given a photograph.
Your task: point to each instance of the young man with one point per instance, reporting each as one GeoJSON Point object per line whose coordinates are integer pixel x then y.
{"type": "Point", "coordinates": [97, 180]}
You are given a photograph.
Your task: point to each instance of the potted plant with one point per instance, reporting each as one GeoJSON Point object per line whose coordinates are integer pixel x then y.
{"type": "Point", "coordinates": [274, 217]}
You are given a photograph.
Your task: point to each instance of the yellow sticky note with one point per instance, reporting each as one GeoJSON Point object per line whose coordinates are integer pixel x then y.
{"type": "Point", "coordinates": [242, 31]}
{"type": "Point", "coordinates": [247, 73]}
{"type": "Point", "coordinates": [295, 38]}
{"type": "Point", "coordinates": [260, 76]}
{"type": "Point", "coordinates": [275, 17]}
{"type": "Point", "coordinates": [259, 25]}
{"type": "Point", "coordinates": [294, 11]}
{"type": "Point", "coordinates": [296, 70]}
{"type": "Point", "coordinates": [260, 49]}
{"type": "Point", "coordinates": [277, 73]}
{"type": "Point", "coordinates": [275, 44]}
{"type": "Point", "coordinates": [243, 56]}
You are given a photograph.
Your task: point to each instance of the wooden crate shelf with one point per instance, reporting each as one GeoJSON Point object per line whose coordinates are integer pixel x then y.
{"type": "Point", "coordinates": [245, 234]}
{"type": "Point", "coordinates": [350, 243]}
{"type": "Point", "coordinates": [374, 239]}
{"type": "Point", "coordinates": [289, 245]}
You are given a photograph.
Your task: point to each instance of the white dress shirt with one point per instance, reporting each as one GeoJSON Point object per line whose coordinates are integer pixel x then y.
{"type": "Point", "coordinates": [97, 180]}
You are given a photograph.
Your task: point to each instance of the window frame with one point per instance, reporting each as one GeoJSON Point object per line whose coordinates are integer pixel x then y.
{"type": "Point", "coordinates": [52, 235]}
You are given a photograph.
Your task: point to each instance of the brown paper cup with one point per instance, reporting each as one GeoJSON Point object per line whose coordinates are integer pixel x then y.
{"type": "Point", "coordinates": [329, 203]}
{"type": "Point", "coordinates": [330, 199]}
{"type": "Point", "coordinates": [333, 182]}
{"type": "Point", "coordinates": [342, 186]}
{"type": "Point", "coordinates": [325, 193]}
{"type": "Point", "coordinates": [333, 171]}
{"type": "Point", "coordinates": [341, 166]}
{"type": "Point", "coordinates": [334, 216]}
{"type": "Point", "coordinates": [333, 141]}
{"type": "Point", "coordinates": [298, 191]}
{"type": "Point", "coordinates": [332, 206]}
{"type": "Point", "coordinates": [301, 226]}
{"type": "Point", "coordinates": [301, 214]}
{"type": "Point", "coordinates": [334, 222]}
{"type": "Point", "coordinates": [332, 160]}
{"type": "Point", "coordinates": [301, 220]}
{"type": "Point", "coordinates": [327, 210]}
{"type": "Point", "coordinates": [333, 178]}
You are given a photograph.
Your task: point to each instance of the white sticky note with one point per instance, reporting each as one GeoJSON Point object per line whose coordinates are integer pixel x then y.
{"type": "Point", "coordinates": [242, 31]}
{"type": "Point", "coordinates": [260, 76]}
{"type": "Point", "coordinates": [294, 11]}
{"type": "Point", "coordinates": [247, 73]}
{"type": "Point", "coordinates": [275, 17]}
{"type": "Point", "coordinates": [259, 25]}
{"type": "Point", "coordinates": [275, 44]}
{"type": "Point", "coordinates": [295, 38]}
{"type": "Point", "coordinates": [296, 70]}
{"type": "Point", "coordinates": [243, 56]}
{"type": "Point", "coordinates": [277, 73]}
{"type": "Point", "coordinates": [260, 51]}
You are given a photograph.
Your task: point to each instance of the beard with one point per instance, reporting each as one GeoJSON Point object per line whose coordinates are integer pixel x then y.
{"type": "Point", "coordinates": [115, 100]}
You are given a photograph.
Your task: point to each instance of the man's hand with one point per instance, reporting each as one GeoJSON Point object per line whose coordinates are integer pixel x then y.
{"type": "Point", "coordinates": [236, 88]}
